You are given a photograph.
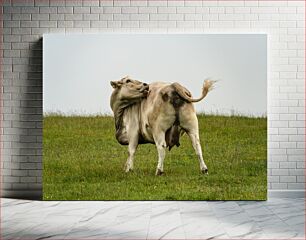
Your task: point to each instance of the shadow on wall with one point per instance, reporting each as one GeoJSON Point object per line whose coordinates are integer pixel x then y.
{"type": "Point", "coordinates": [31, 119]}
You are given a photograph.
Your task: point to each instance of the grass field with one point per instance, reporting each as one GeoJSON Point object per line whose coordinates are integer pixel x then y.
{"type": "Point", "coordinates": [83, 161]}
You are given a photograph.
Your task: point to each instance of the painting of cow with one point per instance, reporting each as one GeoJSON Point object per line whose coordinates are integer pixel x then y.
{"type": "Point", "coordinates": [157, 113]}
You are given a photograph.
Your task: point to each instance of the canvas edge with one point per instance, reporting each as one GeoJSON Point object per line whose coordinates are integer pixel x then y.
{"type": "Point", "coordinates": [38, 194]}
{"type": "Point", "coordinates": [34, 194]}
{"type": "Point", "coordinates": [286, 194]}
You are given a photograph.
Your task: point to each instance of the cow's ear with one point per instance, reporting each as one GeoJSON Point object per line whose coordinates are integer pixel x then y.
{"type": "Point", "coordinates": [114, 84]}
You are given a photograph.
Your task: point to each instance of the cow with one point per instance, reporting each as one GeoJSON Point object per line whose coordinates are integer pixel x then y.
{"type": "Point", "coordinates": [157, 113]}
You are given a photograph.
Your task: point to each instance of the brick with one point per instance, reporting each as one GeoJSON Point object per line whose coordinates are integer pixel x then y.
{"type": "Point", "coordinates": [41, 16]}
{"type": "Point", "coordinates": [166, 9]}
{"type": "Point", "coordinates": [296, 124]}
{"type": "Point", "coordinates": [273, 179]}
{"type": "Point", "coordinates": [242, 10]}
{"type": "Point", "coordinates": [20, 46]}
{"type": "Point", "coordinates": [48, 24]}
{"type": "Point", "coordinates": [21, 31]}
{"type": "Point", "coordinates": [11, 10]}
{"type": "Point", "coordinates": [288, 145]}
{"type": "Point", "coordinates": [229, 17]}
{"type": "Point", "coordinates": [185, 24]}
{"type": "Point", "coordinates": [105, 17]}
{"type": "Point", "coordinates": [111, 10]}
{"type": "Point", "coordinates": [296, 172]}
{"type": "Point", "coordinates": [81, 10]}
{"type": "Point", "coordinates": [10, 179]}
{"type": "Point", "coordinates": [60, 3]}
{"type": "Point", "coordinates": [287, 131]}
{"type": "Point", "coordinates": [121, 17]}
{"type": "Point", "coordinates": [202, 10]}
{"type": "Point", "coordinates": [49, 10]}
{"type": "Point", "coordinates": [138, 3]}
{"type": "Point", "coordinates": [81, 24]}
{"type": "Point", "coordinates": [287, 165]}
{"type": "Point", "coordinates": [73, 3]}
{"type": "Point", "coordinates": [11, 38]}
{"type": "Point", "coordinates": [127, 10]}
{"type": "Point", "coordinates": [161, 17]}
{"type": "Point", "coordinates": [25, 3]}
{"type": "Point", "coordinates": [176, 17]}
{"type": "Point", "coordinates": [186, 9]}
{"type": "Point", "coordinates": [288, 179]}
{"type": "Point", "coordinates": [287, 10]}
{"type": "Point", "coordinates": [57, 17]}
{"type": "Point", "coordinates": [148, 24]}
{"type": "Point", "coordinates": [96, 9]}
{"type": "Point", "coordinates": [93, 3]}
{"type": "Point", "coordinates": [21, 17]}
{"type": "Point", "coordinates": [42, 3]}
{"type": "Point", "coordinates": [280, 172]}
{"type": "Point", "coordinates": [91, 17]}
{"type": "Point", "coordinates": [130, 24]}
{"type": "Point", "coordinates": [222, 24]}
{"type": "Point", "coordinates": [28, 179]}
{"type": "Point", "coordinates": [277, 151]}
{"type": "Point", "coordinates": [279, 186]}
{"type": "Point", "coordinates": [296, 186]}
{"type": "Point", "coordinates": [98, 24]}
{"type": "Point", "coordinates": [40, 31]}
{"type": "Point", "coordinates": [157, 3]}
{"type": "Point", "coordinates": [300, 164]}
{"type": "Point", "coordinates": [73, 17]}
{"type": "Point", "coordinates": [190, 17]}
{"type": "Point", "coordinates": [189, 3]}
{"type": "Point", "coordinates": [29, 24]}
{"type": "Point", "coordinates": [297, 109]}
{"type": "Point", "coordinates": [210, 17]}
{"type": "Point", "coordinates": [30, 10]}
{"type": "Point", "coordinates": [19, 173]}
{"type": "Point", "coordinates": [147, 9]}
{"type": "Point", "coordinates": [63, 10]}
{"type": "Point", "coordinates": [273, 165]}
{"type": "Point", "coordinates": [300, 179]}
{"type": "Point", "coordinates": [11, 24]}
{"type": "Point", "coordinates": [139, 17]}
{"type": "Point", "coordinates": [231, 3]}
{"type": "Point", "coordinates": [267, 10]}
{"type": "Point", "coordinates": [176, 3]}
{"type": "Point", "coordinates": [296, 158]}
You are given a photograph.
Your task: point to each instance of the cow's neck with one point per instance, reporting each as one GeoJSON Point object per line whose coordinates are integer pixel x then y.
{"type": "Point", "coordinates": [119, 112]}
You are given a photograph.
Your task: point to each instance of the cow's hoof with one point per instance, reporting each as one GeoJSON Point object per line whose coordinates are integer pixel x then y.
{"type": "Point", "coordinates": [205, 171]}
{"type": "Point", "coordinates": [159, 172]}
{"type": "Point", "coordinates": [128, 170]}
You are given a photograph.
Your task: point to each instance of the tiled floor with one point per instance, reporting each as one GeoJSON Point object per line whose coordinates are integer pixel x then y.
{"type": "Point", "coordinates": [273, 219]}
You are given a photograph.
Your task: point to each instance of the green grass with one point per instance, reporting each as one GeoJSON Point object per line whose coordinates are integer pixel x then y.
{"type": "Point", "coordinates": [83, 161]}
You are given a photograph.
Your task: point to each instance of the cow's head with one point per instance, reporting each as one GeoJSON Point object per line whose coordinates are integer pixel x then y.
{"type": "Point", "coordinates": [128, 89]}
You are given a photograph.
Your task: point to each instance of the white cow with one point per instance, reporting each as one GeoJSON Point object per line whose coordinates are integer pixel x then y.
{"type": "Point", "coordinates": [157, 113]}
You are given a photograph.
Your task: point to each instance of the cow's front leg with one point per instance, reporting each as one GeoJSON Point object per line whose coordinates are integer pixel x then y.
{"type": "Point", "coordinates": [130, 161]}
{"type": "Point", "coordinates": [195, 140]}
{"type": "Point", "coordinates": [160, 145]}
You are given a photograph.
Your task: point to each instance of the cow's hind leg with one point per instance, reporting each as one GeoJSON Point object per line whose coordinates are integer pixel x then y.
{"type": "Point", "coordinates": [130, 161]}
{"type": "Point", "coordinates": [189, 122]}
{"type": "Point", "coordinates": [161, 146]}
{"type": "Point", "coordinates": [195, 140]}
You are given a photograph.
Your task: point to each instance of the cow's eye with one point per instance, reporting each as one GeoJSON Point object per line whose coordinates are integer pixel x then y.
{"type": "Point", "coordinates": [127, 81]}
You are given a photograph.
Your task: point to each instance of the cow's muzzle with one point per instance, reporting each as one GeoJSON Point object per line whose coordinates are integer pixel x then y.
{"type": "Point", "coordinates": [145, 89]}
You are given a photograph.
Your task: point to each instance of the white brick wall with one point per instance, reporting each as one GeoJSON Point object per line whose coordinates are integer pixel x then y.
{"type": "Point", "coordinates": [24, 22]}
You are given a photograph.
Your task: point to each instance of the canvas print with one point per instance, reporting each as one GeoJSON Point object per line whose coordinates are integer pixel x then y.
{"type": "Point", "coordinates": [154, 117]}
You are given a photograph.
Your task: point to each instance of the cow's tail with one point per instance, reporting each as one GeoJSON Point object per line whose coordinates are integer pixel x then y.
{"type": "Point", "coordinates": [186, 95]}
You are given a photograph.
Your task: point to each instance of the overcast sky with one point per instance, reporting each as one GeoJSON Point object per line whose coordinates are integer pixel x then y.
{"type": "Point", "coordinates": [77, 69]}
